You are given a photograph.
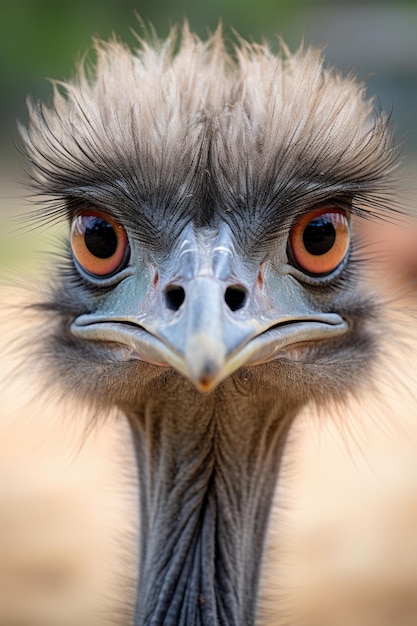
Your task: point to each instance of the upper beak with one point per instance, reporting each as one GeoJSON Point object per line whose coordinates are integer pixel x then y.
{"type": "Point", "coordinates": [202, 337]}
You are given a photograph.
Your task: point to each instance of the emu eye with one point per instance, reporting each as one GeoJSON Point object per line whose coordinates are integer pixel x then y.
{"type": "Point", "coordinates": [319, 241]}
{"type": "Point", "coordinates": [99, 243]}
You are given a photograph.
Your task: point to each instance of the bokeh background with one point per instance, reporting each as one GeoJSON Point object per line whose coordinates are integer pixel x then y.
{"type": "Point", "coordinates": [377, 39]}
{"type": "Point", "coordinates": [346, 550]}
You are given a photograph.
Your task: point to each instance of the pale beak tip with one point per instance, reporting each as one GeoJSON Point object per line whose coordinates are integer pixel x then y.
{"type": "Point", "coordinates": [205, 363]}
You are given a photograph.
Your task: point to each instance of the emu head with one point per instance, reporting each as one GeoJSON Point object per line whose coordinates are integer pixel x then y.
{"type": "Point", "coordinates": [211, 284]}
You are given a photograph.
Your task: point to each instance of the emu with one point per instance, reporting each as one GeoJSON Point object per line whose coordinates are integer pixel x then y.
{"type": "Point", "coordinates": [210, 286]}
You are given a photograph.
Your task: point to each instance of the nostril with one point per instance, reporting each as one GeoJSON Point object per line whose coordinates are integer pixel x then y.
{"type": "Point", "coordinates": [235, 297]}
{"type": "Point", "coordinates": [174, 297]}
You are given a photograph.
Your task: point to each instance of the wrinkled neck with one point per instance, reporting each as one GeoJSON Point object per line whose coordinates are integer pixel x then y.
{"type": "Point", "coordinates": [207, 465]}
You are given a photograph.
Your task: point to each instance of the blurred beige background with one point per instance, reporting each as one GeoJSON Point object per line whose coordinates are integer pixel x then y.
{"type": "Point", "coordinates": [343, 545]}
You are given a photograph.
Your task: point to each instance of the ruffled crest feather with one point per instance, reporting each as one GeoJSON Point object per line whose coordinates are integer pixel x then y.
{"type": "Point", "coordinates": [183, 129]}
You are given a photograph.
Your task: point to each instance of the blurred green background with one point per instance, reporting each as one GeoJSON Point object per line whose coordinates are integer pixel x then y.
{"type": "Point", "coordinates": [45, 38]}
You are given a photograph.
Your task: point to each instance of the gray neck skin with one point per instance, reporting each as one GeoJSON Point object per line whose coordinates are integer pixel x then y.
{"type": "Point", "coordinates": [208, 466]}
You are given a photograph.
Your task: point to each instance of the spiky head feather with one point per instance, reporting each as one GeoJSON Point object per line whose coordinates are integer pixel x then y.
{"type": "Point", "coordinates": [167, 135]}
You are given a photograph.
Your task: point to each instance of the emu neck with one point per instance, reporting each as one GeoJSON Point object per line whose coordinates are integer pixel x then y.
{"type": "Point", "coordinates": [208, 466]}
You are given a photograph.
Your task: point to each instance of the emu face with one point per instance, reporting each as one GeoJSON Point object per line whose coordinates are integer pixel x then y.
{"type": "Point", "coordinates": [210, 285]}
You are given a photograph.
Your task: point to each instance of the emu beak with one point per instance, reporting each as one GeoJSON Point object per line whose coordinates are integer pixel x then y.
{"type": "Point", "coordinates": [204, 339]}
{"type": "Point", "coordinates": [205, 334]}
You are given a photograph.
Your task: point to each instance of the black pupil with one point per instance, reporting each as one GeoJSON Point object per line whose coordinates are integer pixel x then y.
{"type": "Point", "coordinates": [100, 238]}
{"type": "Point", "coordinates": [319, 236]}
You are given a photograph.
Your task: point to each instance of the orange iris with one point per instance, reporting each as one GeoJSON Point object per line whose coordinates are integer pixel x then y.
{"type": "Point", "coordinates": [98, 243]}
{"type": "Point", "coordinates": [319, 240]}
